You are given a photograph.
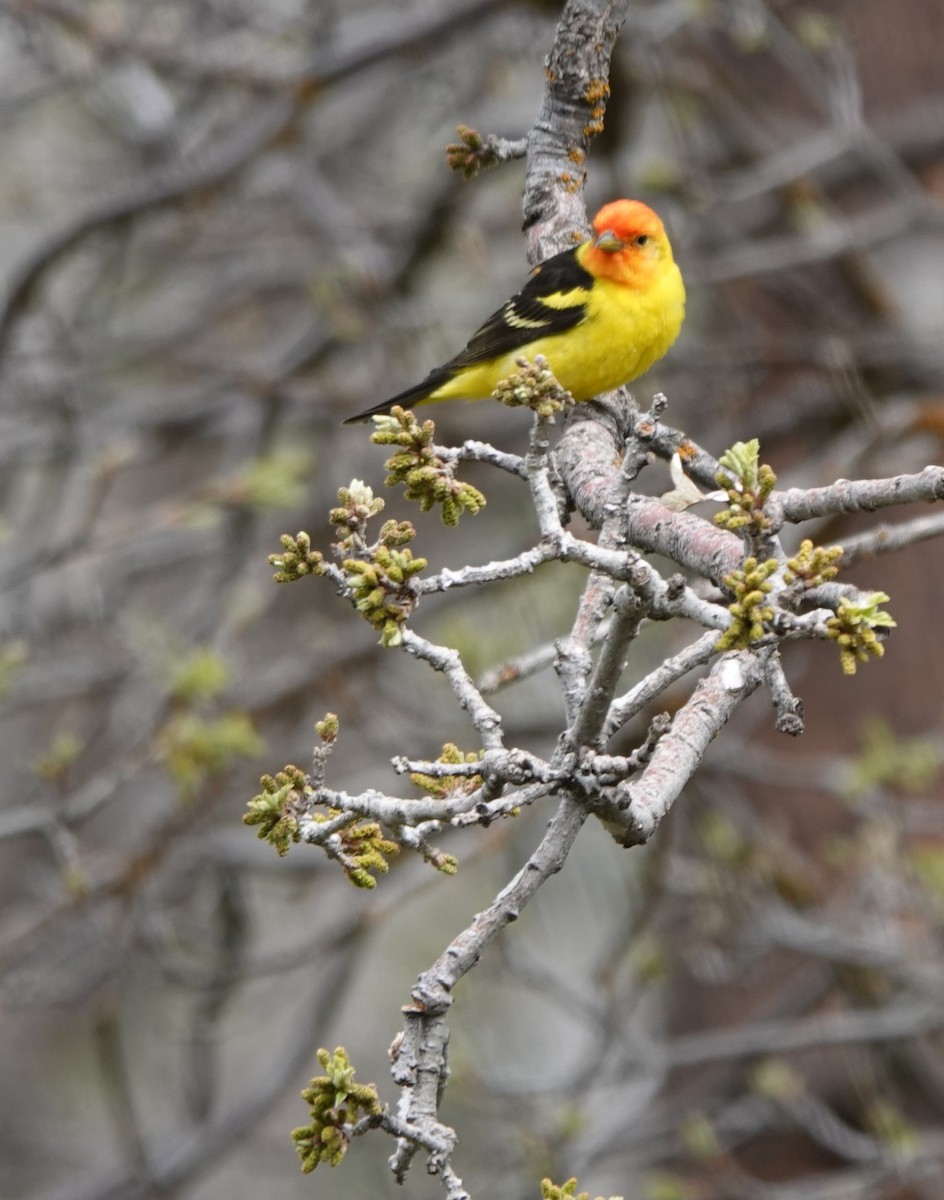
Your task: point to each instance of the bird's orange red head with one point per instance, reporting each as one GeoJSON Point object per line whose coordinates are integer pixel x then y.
{"type": "Point", "coordinates": [630, 242]}
{"type": "Point", "coordinates": [627, 221]}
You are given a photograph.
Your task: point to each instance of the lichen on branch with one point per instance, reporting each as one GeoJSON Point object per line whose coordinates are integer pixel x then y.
{"type": "Point", "coordinates": [856, 628]}
{"type": "Point", "coordinates": [748, 483]}
{"type": "Point", "coordinates": [275, 810]}
{"type": "Point", "coordinates": [335, 1103]}
{"type": "Point", "coordinates": [750, 609]}
{"type": "Point", "coordinates": [475, 152]}
{"type": "Point", "coordinates": [446, 785]}
{"type": "Point", "coordinates": [297, 559]}
{"type": "Point", "coordinates": [427, 477]}
{"type": "Point", "coordinates": [533, 386]}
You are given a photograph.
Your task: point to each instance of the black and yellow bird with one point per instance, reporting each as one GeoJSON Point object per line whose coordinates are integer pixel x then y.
{"type": "Point", "coordinates": [601, 314]}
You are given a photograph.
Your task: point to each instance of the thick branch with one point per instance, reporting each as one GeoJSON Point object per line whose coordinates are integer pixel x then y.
{"type": "Point", "coordinates": [419, 1067]}
{"type": "Point", "coordinates": [861, 495]}
{"type": "Point", "coordinates": [589, 458]}
{"type": "Point", "coordinates": [575, 95]}
{"type": "Point", "coordinates": [644, 802]}
{"type": "Point", "coordinates": [693, 656]}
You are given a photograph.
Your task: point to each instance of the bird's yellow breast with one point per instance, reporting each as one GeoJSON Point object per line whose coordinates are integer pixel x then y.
{"type": "Point", "coordinates": [625, 330]}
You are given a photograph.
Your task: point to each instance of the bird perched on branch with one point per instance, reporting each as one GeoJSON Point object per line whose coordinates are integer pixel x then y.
{"type": "Point", "coordinates": [601, 314]}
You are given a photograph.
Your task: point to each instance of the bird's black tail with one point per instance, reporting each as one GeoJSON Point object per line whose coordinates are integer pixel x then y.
{"type": "Point", "coordinates": [412, 396]}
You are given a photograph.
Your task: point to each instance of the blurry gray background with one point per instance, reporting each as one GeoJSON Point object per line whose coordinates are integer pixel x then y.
{"type": "Point", "coordinates": [225, 226]}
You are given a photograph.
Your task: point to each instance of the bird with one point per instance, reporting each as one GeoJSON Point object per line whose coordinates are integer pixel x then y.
{"type": "Point", "coordinates": [600, 313]}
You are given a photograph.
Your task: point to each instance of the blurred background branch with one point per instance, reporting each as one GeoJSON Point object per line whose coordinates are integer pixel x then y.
{"type": "Point", "coordinates": [226, 227]}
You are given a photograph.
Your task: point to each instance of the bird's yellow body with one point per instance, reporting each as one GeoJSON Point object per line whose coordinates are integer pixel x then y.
{"type": "Point", "coordinates": [600, 314]}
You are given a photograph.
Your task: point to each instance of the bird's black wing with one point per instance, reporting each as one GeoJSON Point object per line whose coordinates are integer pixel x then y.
{"type": "Point", "coordinates": [531, 314]}
{"type": "Point", "coordinates": [527, 316]}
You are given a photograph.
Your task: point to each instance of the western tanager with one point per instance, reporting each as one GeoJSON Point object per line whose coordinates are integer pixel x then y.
{"type": "Point", "coordinates": [601, 314]}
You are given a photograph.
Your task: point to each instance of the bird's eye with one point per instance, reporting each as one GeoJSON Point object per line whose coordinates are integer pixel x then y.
{"type": "Point", "coordinates": [641, 239]}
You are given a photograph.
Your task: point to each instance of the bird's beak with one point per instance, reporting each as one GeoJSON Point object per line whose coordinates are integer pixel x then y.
{"type": "Point", "coordinates": [608, 241]}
